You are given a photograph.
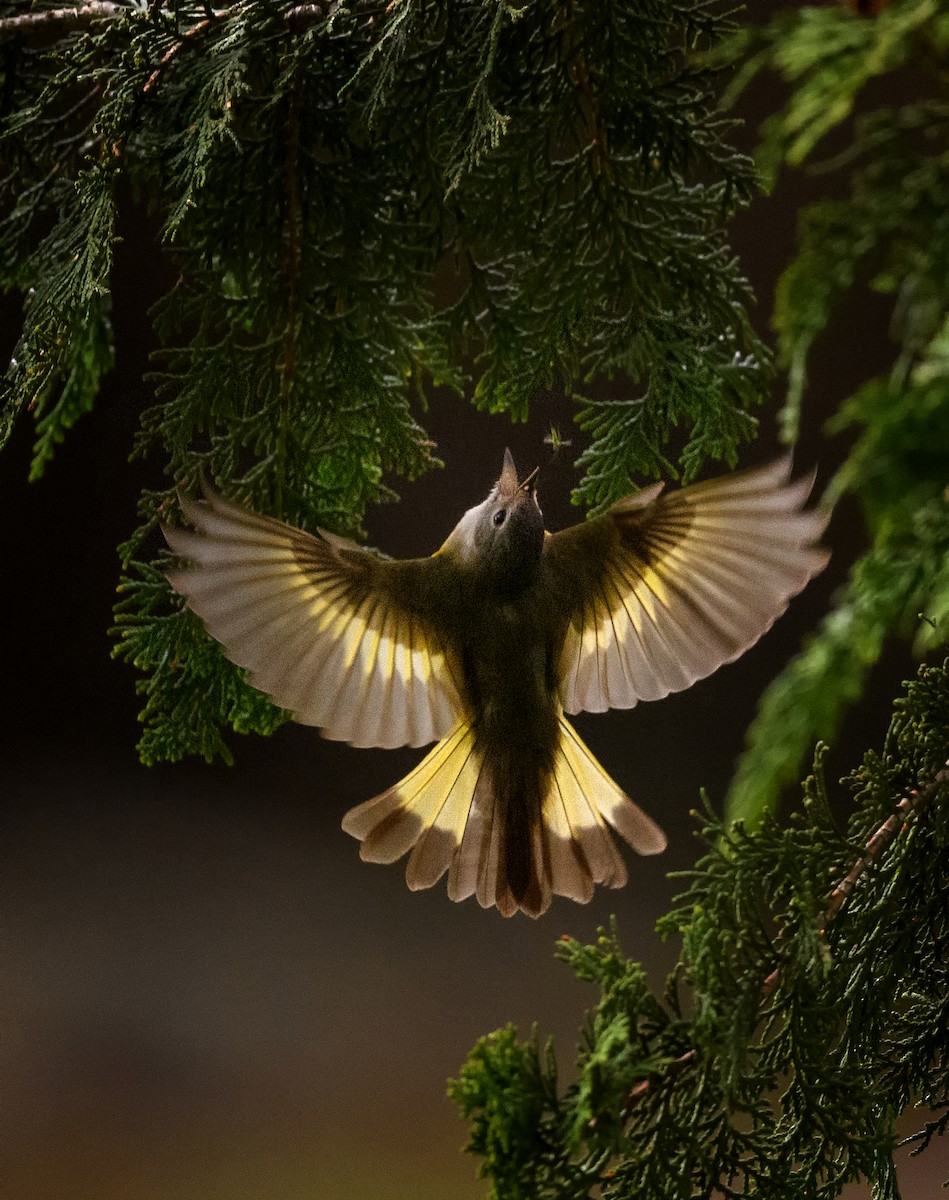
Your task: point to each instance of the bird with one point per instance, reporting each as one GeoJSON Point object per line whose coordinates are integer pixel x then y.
{"type": "Point", "coordinates": [486, 647]}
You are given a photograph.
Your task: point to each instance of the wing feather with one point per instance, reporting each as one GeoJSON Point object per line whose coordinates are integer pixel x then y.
{"type": "Point", "coordinates": [680, 584]}
{"type": "Point", "coordinates": [325, 628]}
{"type": "Point", "coordinates": [653, 630]}
{"type": "Point", "coordinates": [367, 728]}
{"type": "Point", "coordinates": [588, 828]}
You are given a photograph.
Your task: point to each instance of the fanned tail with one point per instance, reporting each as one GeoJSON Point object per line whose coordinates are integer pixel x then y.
{"type": "Point", "coordinates": [503, 837]}
{"type": "Point", "coordinates": [426, 812]}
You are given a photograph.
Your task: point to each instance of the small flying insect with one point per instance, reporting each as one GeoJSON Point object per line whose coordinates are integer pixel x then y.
{"type": "Point", "coordinates": [556, 442]}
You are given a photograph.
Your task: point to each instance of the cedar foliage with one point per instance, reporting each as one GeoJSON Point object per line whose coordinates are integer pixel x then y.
{"type": "Point", "coordinates": [362, 200]}
{"type": "Point", "coordinates": [808, 1009]}
{"type": "Point", "coordinates": [799, 1022]}
{"type": "Point", "coordinates": [884, 230]}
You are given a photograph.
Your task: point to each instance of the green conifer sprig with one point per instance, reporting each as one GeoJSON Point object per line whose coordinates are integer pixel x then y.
{"type": "Point", "coordinates": [805, 1014]}
{"type": "Point", "coordinates": [360, 201]}
{"type": "Point", "coordinates": [888, 233]}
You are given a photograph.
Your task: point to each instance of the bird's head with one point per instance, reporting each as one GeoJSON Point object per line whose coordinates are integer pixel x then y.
{"type": "Point", "coordinates": [503, 537]}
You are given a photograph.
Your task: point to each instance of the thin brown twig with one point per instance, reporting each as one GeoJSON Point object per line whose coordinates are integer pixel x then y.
{"type": "Point", "coordinates": [75, 16]}
{"type": "Point", "coordinates": [176, 49]}
{"type": "Point", "coordinates": [636, 1093]}
{"type": "Point", "coordinates": [587, 103]}
{"type": "Point", "coordinates": [871, 851]}
{"type": "Point", "coordinates": [293, 231]}
{"type": "Point", "coordinates": [896, 821]}
{"type": "Point", "coordinates": [66, 18]}
{"type": "Point", "coordinates": [290, 269]}
{"type": "Point", "coordinates": [882, 837]}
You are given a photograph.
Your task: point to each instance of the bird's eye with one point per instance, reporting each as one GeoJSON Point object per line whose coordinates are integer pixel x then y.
{"type": "Point", "coordinates": [499, 517]}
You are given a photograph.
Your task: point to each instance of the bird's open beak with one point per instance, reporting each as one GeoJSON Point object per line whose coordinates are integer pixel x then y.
{"type": "Point", "coordinates": [529, 483]}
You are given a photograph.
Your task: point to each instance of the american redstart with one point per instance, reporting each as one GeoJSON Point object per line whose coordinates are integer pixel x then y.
{"type": "Point", "coordinates": [486, 644]}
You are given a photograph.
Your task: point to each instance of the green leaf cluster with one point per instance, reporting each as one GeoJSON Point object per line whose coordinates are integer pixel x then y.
{"type": "Point", "coordinates": [798, 1024]}
{"type": "Point", "coordinates": [885, 230]}
{"type": "Point", "coordinates": [357, 202]}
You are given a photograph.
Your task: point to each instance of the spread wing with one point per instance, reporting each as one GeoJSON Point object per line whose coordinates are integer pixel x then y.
{"type": "Point", "coordinates": [660, 591]}
{"type": "Point", "coordinates": [339, 636]}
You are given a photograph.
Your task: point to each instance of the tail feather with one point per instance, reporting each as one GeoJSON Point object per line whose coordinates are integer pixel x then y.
{"type": "Point", "coordinates": [489, 866]}
{"type": "Point", "coordinates": [506, 850]}
{"type": "Point", "coordinates": [436, 848]}
{"type": "Point", "coordinates": [393, 822]}
{"type": "Point", "coordinates": [606, 800]}
{"type": "Point", "coordinates": [569, 862]}
{"type": "Point", "coordinates": [474, 844]}
{"type": "Point", "coordinates": [588, 831]}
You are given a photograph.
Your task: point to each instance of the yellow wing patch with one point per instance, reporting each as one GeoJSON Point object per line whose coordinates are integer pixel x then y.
{"type": "Point", "coordinates": [311, 621]}
{"type": "Point", "coordinates": [681, 584]}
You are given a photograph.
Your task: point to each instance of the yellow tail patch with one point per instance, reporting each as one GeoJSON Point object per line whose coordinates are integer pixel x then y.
{"type": "Point", "coordinates": [447, 813]}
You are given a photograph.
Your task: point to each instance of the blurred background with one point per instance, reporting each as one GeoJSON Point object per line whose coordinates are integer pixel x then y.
{"type": "Point", "coordinates": [205, 994]}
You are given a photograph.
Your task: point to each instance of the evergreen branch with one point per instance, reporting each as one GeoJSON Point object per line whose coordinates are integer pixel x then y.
{"type": "Point", "coordinates": [924, 1136]}
{"type": "Point", "coordinates": [898, 469]}
{"type": "Point", "coordinates": [189, 34]}
{"type": "Point", "coordinates": [910, 803]}
{"type": "Point", "coordinates": [670, 1071]}
{"type": "Point", "coordinates": [794, 1100]}
{"type": "Point", "coordinates": [69, 18]}
{"type": "Point", "coordinates": [590, 110]}
{"type": "Point", "coordinates": [888, 233]}
{"type": "Point", "coordinates": [290, 269]}
{"type": "Point", "coordinates": [310, 189]}
{"type": "Point", "coordinates": [66, 18]}
{"type": "Point", "coordinates": [896, 821]}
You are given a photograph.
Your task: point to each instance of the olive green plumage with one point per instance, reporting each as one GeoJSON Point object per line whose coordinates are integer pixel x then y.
{"type": "Point", "coordinates": [486, 644]}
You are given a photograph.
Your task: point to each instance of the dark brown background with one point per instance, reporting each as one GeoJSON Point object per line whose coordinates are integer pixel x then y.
{"type": "Point", "coordinates": [206, 996]}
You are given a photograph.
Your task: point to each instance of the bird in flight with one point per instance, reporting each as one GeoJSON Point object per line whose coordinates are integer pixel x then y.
{"type": "Point", "coordinates": [486, 645]}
